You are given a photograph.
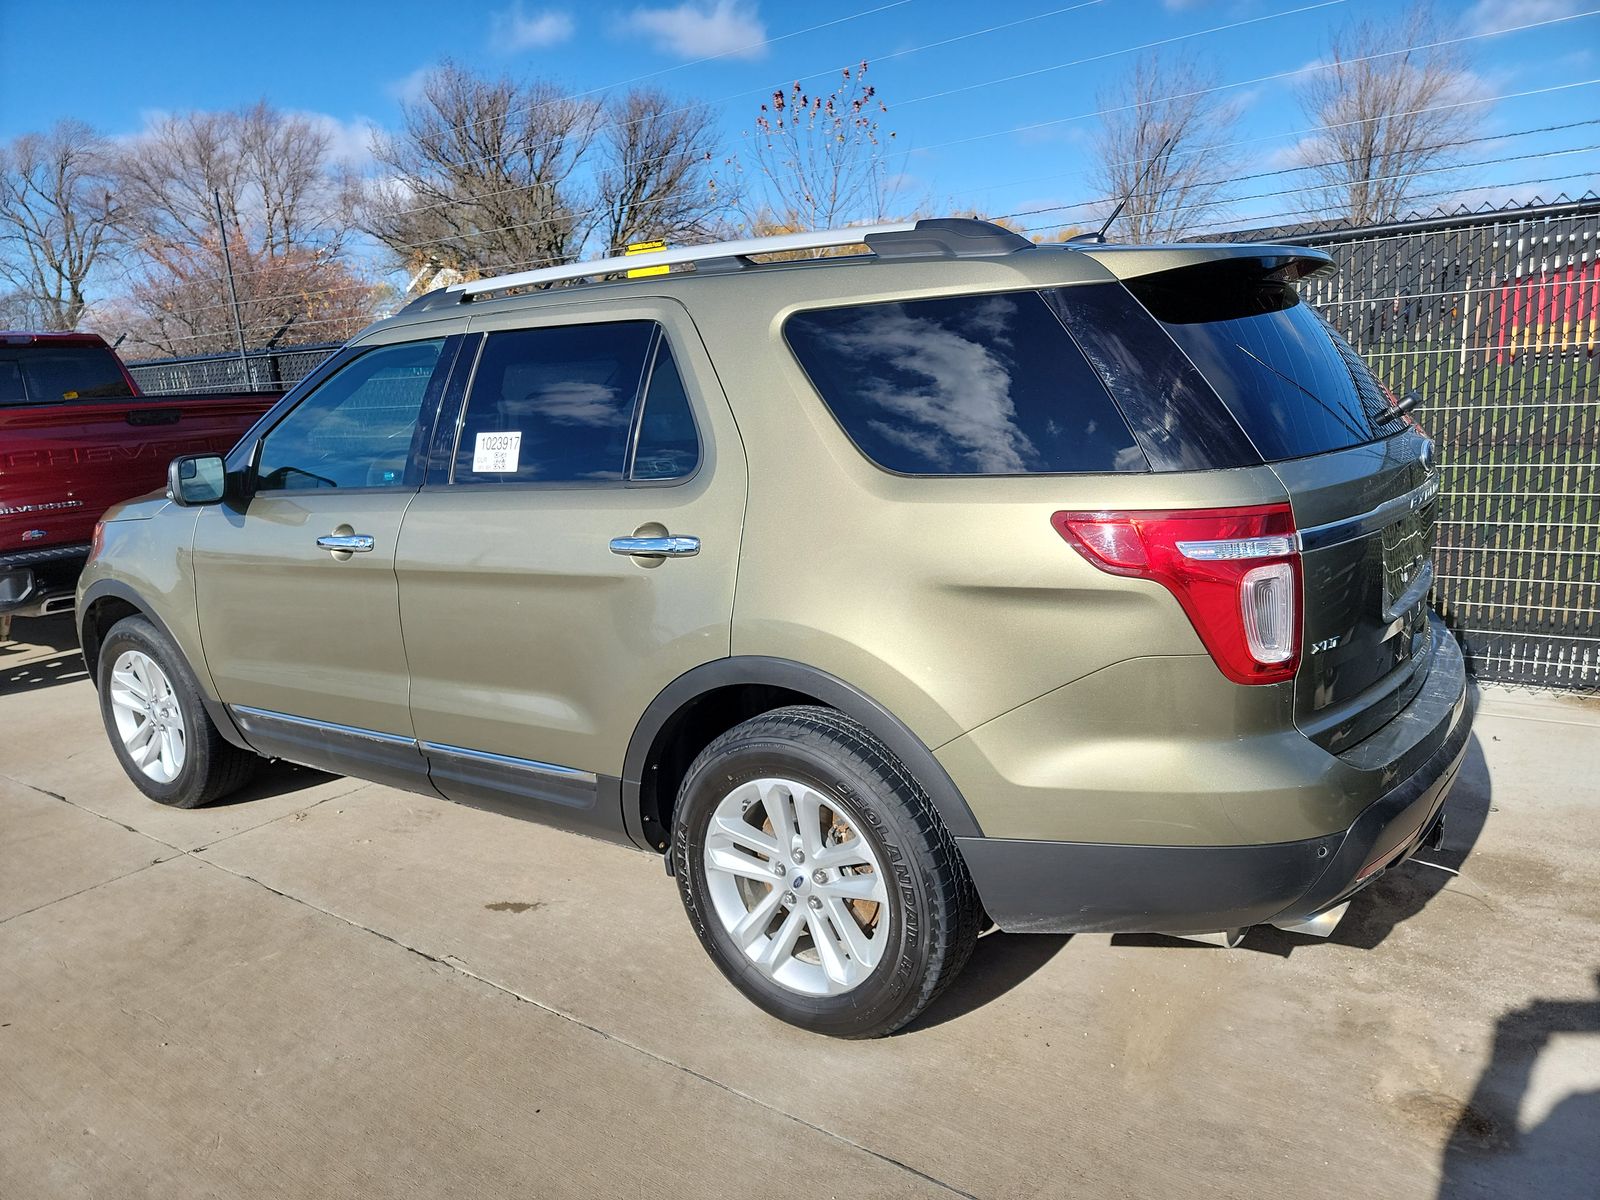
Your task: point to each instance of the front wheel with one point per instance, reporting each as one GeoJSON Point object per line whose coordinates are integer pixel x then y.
{"type": "Point", "coordinates": [818, 875]}
{"type": "Point", "coordinates": [158, 723]}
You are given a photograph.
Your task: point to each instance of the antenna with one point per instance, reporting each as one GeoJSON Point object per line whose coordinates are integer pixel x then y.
{"type": "Point", "coordinates": [1099, 235]}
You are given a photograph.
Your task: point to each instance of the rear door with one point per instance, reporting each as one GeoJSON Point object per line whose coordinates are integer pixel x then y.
{"type": "Point", "coordinates": [298, 606]}
{"type": "Point", "coordinates": [534, 645]}
{"type": "Point", "coordinates": [1359, 477]}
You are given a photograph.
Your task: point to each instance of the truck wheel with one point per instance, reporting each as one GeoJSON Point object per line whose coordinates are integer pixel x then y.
{"type": "Point", "coordinates": [818, 875]}
{"type": "Point", "coordinates": [157, 723]}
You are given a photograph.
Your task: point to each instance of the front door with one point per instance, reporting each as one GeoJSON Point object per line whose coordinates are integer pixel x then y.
{"type": "Point", "coordinates": [298, 607]}
{"type": "Point", "coordinates": [537, 633]}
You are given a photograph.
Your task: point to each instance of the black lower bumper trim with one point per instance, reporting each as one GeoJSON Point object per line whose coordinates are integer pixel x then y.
{"type": "Point", "coordinates": [1092, 887]}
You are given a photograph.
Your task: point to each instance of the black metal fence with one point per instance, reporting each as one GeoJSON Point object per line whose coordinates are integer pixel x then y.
{"type": "Point", "coordinates": [259, 370]}
{"type": "Point", "coordinates": [1494, 318]}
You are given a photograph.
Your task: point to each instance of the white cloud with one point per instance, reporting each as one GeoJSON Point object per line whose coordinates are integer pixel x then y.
{"type": "Point", "coordinates": [349, 142]}
{"type": "Point", "coordinates": [516, 29]}
{"type": "Point", "coordinates": [1508, 14]}
{"type": "Point", "coordinates": [697, 29]}
{"type": "Point", "coordinates": [408, 88]}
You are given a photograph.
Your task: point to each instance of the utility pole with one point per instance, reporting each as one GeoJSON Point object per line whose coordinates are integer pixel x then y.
{"type": "Point", "coordinates": [233, 294]}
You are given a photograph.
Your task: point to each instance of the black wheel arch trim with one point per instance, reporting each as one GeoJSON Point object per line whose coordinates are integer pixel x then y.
{"type": "Point", "coordinates": [797, 677]}
{"type": "Point", "coordinates": [103, 589]}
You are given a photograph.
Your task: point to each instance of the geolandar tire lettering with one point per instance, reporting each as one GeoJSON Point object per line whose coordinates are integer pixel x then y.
{"type": "Point", "coordinates": [157, 722]}
{"type": "Point", "coordinates": [818, 875]}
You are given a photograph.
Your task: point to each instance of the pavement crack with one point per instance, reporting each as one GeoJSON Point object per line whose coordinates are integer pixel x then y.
{"type": "Point", "coordinates": [451, 963]}
{"type": "Point", "coordinates": [90, 888]}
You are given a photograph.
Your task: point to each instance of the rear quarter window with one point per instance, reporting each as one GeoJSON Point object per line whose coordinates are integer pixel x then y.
{"type": "Point", "coordinates": [963, 385]}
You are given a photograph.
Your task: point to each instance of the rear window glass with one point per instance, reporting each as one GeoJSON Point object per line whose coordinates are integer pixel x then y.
{"type": "Point", "coordinates": [963, 385]}
{"type": "Point", "coordinates": [44, 374]}
{"type": "Point", "coordinates": [1287, 378]}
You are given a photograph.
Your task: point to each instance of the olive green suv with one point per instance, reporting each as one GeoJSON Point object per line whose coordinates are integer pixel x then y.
{"type": "Point", "coordinates": [888, 596]}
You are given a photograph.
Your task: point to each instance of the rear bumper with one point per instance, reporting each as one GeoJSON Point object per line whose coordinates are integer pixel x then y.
{"type": "Point", "coordinates": [1080, 887]}
{"type": "Point", "coordinates": [36, 582]}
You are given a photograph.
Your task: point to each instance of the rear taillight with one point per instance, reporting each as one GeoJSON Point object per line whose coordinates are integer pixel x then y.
{"type": "Point", "coordinates": [1235, 571]}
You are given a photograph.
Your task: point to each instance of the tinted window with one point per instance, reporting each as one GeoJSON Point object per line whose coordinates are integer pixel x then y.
{"type": "Point", "coordinates": [1277, 366]}
{"type": "Point", "coordinates": [668, 446]}
{"type": "Point", "coordinates": [55, 373]}
{"type": "Point", "coordinates": [357, 428]}
{"type": "Point", "coordinates": [553, 405]}
{"type": "Point", "coordinates": [966, 385]}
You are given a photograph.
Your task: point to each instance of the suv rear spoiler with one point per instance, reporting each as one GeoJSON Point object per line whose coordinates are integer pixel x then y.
{"type": "Point", "coordinates": [1286, 263]}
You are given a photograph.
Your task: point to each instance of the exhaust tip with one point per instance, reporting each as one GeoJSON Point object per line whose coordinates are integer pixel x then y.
{"type": "Point", "coordinates": [1320, 925]}
{"type": "Point", "coordinates": [1226, 938]}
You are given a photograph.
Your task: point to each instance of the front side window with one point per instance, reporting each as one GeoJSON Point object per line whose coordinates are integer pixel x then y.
{"type": "Point", "coordinates": [358, 428]}
{"type": "Point", "coordinates": [558, 405]}
{"type": "Point", "coordinates": [963, 385]}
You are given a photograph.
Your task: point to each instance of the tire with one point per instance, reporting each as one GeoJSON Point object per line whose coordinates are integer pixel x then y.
{"type": "Point", "coordinates": [139, 663]}
{"type": "Point", "coordinates": [825, 780]}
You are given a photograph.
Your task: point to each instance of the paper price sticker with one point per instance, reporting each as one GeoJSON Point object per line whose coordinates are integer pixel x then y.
{"type": "Point", "coordinates": [497, 452]}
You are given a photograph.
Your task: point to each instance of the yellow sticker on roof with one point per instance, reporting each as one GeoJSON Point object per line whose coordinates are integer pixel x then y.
{"type": "Point", "coordinates": [645, 248]}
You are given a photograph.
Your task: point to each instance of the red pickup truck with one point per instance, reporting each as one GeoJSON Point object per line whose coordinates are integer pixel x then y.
{"type": "Point", "coordinates": [76, 437]}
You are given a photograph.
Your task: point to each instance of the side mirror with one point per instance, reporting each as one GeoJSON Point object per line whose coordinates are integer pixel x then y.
{"type": "Point", "coordinates": [197, 479]}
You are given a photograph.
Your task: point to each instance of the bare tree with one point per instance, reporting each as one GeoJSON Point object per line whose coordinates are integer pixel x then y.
{"type": "Point", "coordinates": [1159, 145]}
{"type": "Point", "coordinates": [1383, 120]}
{"type": "Point", "coordinates": [820, 160]}
{"type": "Point", "coordinates": [58, 215]}
{"type": "Point", "coordinates": [285, 211]}
{"type": "Point", "coordinates": [481, 177]}
{"type": "Point", "coordinates": [654, 181]}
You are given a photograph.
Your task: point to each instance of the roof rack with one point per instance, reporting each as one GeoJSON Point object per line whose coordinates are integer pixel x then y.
{"type": "Point", "coordinates": [940, 237]}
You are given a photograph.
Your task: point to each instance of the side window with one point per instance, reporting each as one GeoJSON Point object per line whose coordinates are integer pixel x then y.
{"type": "Point", "coordinates": [963, 385]}
{"type": "Point", "coordinates": [553, 405]}
{"type": "Point", "coordinates": [668, 447]}
{"type": "Point", "coordinates": [357, 429]}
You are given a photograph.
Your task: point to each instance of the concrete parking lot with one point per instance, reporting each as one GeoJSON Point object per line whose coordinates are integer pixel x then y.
{"type": "Point", "coordinates": [329, 988]}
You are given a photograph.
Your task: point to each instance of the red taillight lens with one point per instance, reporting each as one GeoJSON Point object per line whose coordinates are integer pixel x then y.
{"type": "Point", "coordinates": [97, 540]}
{"type": "Point", "coordinates": [1235, 571]}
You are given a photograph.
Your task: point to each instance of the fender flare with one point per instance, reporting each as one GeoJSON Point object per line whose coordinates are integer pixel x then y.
{"type": "Point", "coordinates": [102, 589]}
{"type": "Point", "coordinates": [797, 677]}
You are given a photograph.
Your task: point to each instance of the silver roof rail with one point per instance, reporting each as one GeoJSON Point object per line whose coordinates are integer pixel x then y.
{"type": "Point", "coordinates": [957, 237]}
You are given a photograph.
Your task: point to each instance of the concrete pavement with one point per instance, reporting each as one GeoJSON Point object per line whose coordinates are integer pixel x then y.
{"type": "Point", "coordinates": [329, 988]}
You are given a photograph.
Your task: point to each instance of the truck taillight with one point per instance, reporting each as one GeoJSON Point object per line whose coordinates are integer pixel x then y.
{"type": "Point", "coordinates": [1235, 571]}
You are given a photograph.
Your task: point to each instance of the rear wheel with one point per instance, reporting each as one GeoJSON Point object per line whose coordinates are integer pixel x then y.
{"type": "Point", "coordinates": [818, 875]}
{"type": "Point", "coordinates": [158, 723]}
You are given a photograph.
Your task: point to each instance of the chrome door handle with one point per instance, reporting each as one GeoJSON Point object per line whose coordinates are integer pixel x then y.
{"type": "Point", "coordinates": [656, 547]}
{"type": "Point", "coordinates": [350, 543]}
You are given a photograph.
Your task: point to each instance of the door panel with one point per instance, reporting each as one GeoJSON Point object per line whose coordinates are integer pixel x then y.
{"type": "Point", "coordinates": [296, 629]}
{"type": "Point", "coordinates": [527, 637]}
{"type": "Point", "coordinates": [301, 639]}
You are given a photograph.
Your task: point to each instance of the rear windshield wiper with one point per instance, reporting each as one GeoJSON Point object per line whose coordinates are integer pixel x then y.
{"type": "Point", "coordinates": [1400, 408]}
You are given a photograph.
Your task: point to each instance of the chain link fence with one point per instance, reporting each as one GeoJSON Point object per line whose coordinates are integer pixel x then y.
{"type": "Point", "coordinates": [258, 371]}
{"type": "Point", "coordinates": [1494, 319]}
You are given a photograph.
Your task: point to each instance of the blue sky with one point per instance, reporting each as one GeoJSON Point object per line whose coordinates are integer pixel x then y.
{"type": "Point", "coordinates": [985, 120]}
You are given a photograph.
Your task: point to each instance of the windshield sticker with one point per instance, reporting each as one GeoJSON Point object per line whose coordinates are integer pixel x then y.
{"type": "Point", "coordinates": [497, 451]}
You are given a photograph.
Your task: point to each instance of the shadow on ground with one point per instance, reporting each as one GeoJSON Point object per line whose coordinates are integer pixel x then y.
{"type": "Point", "coordinates": [42, 652]}
{"type": "Point", "coordinates": [1559, 1156]}
{"type": "Point", "coordinates": [275, 778]}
